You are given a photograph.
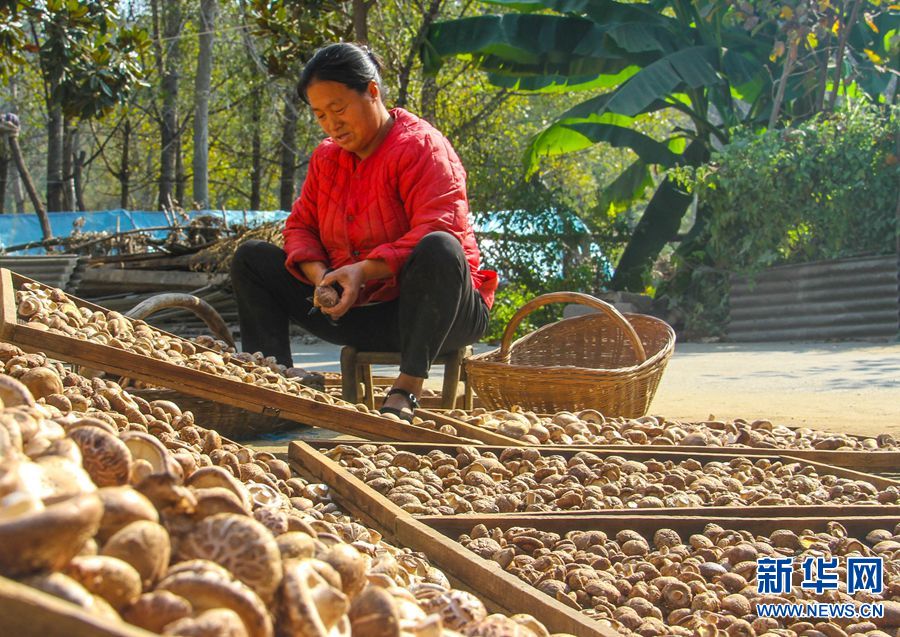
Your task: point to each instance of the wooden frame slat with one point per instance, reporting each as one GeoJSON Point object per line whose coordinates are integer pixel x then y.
{"type": "Point", "coordinates": [452, 526]}
{"type": "Point", "coordinates": [28, 612]}
{"type": "Point", "coordinates": [868, 460]}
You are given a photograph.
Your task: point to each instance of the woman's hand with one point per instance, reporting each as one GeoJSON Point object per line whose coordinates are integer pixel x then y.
{"type": "Point", "coordinates": [351, 278]}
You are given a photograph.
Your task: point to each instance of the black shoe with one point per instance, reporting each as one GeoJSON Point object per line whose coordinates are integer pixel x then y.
{"type": "Point", "coordinates": [410, 399]}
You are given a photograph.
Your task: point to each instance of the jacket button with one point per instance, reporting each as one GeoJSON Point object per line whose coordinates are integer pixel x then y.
{"type": "Point", "coordinates": [356, 253]}
{"type": "Point", "coordinates": [349, 217]}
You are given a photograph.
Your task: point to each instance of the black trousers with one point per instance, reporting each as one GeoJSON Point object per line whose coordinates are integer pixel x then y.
{"type": "Point", "coordinates": [438, 310]}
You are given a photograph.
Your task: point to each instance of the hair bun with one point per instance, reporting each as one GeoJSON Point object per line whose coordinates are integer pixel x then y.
{"type": "Point", "coordinates": [373, 57]}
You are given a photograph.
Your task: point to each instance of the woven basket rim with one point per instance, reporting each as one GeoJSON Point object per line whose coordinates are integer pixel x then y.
{"type": "Point", "coordinates": [488, 359]}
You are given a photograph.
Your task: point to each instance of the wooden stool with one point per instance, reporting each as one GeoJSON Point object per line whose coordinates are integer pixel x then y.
{"type": "Point", "coordinates": [356, 370]}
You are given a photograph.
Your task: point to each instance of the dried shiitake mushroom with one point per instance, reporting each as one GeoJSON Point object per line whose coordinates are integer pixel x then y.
{"type": "Point", "coordinates": [325, 296]}
{"type": "Point", "coordinates": [110, 578]}
{"type": "Point", "coordinates": [240, 544]}
{"type": "Point", "coordinates": [47, 538]}
{"type": "Point", "coordinates": [310, 600]}
{"type": "Point", "coordinates": [216, 622]}
{"type": "Point", "coordinates": [207, 588]}
{"type": "Point", "coordinates": [155, 610]}
{"type": "Point", "coordinates": [143, 544]}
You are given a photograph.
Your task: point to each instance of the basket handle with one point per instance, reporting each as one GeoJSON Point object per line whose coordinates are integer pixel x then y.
{"type": "Point", "coordinates": [570, 297]}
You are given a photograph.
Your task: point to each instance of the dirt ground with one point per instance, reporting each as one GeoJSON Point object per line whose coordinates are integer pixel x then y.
{"type": "Point", "coordinates": [851, 387]}
{"type": "Point", "coordinates": [845, 387]}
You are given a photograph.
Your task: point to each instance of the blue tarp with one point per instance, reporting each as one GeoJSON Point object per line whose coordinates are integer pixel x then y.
{"type": "Point", "coordinates": [16, 229]}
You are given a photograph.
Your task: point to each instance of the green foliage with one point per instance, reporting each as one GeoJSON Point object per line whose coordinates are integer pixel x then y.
{"type": "Point", "coordinates": [718, 63]}
{"type": "Point", "coordinates": [89, 62]}
{"type": "Point", "coordinates": [826, 188]}
{"type": "Point", "coordinates": [540, 251]}
{"type": "Point", "coordinates": [12, 36]}
{"type": "Point", "coordinates": [507, 301]}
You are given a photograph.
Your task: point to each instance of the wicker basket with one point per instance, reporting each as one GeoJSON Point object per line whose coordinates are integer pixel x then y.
{"type": "Point", "coordinates": [605, 361]}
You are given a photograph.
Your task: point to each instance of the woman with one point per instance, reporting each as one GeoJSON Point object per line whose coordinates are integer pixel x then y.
{"type": "Point", "coordinates": [382, 217]}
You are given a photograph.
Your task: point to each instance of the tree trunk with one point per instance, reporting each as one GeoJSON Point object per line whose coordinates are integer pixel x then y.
{"type": "Point", "coordinates": [29, 186]}
{"type": "Point", "coordinates": [429, 99]}
{"type": "Point", "coordinates": [256, 150]}
{"type": "Point", "coordinates": [412, 54]}
{"type": "Point", "coordinates": [55, 135]}
{"type": "Point", "coordinates": [201, 103]}
{"type": "Point", "coordinates": [78, 178]}
{"type": "Point", "coordinates": [4, 172]}
{"type": "Point", "coordinates": [288, 150]}
{"type": "Point", "coordinates": [361, 20]}
{"type": "Point", "coordinates": [782, 84]}
{"type": "Point", "coordinates": [180, 177]}
{"type": "Point", "coordinates": [18, 191]}
{"type": "Point", "coordinates": [839, 54]}
{"type": "Point", "coordinates": [168, 61]}
{"type": "Point", "coordinates": [125, 168]}
{"type": "Point", "coordinates": [658, 225]}
{"type": "Point", "coordinates": [68, 172]}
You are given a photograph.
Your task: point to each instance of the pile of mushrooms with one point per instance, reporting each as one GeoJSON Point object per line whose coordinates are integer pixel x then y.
{"type": "Point", "coordinates": [590, 427]}
{"type": "Point", "coordinates": [525, 479]}
{"type": "Point", "coordinates": [50, 309]}
{"type": "Point", "coordinates": [135, 513]}
{"type": "Point", "coordinates": [704, 584]}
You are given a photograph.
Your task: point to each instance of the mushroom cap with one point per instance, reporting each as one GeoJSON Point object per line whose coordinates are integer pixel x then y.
{"type": "Point", "coordinates": [13, 393]}
{"type": "Point", "coordinates": [216, 622]}
{"type": "Point", "coordinates": [212, 476]}
{"type": "Point", "coordinates": [168, 407]}
{"type": "Point", "coordinates": [61, 479]}
{"type": "Point", "coordinates": [351, 565]}
{"type": "Point", "coordinates": [143, 544]}
{"type": "Point", "coordinates": [498, 625]}
{"type": "Point", "coordinates": [47, 539]}
{"type": "Point", "coordinates": [373, 613]}
{"type": "Point", "coordinates": [214, 500]}
{"type": "Point", "coordinates": [242, 545]}
{"type": "Point", "coordinates": [309, 604]}
{"type": "Point", "coordinates": [295, 545]}
{"type": "Point", "coordinates": [206, 589]}
{"type": "Point", "coordinates": [144, 446]}
{"type": "Point", "coordinates": [106, 458]}
{"type": "Point", "coordinates": [457, 608]}
{"type": "Point", "coordinates": [122, 506]}
{"type": "Point", "coordinates": [41, 382]}
{"type": "Point", "coordinates": [64, 587]}
{"type": "Point", "coordinates": [61, 586]}
{"type": "Point", "coordinates": [8, 351]}
{"type": "Point", "coordinates": [108, 577]}
{"type": "Point", "coordinates": [325, 296]}
{"type": "Point", "coordinates": [153, 611]}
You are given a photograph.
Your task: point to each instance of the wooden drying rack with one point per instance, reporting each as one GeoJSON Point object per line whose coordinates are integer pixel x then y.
{"type": "Point", "coordinates": [436, 535]}
{"type": "Point", "coordinates": [252, 398]}
{"type": "Point", "coordinates": [869, 460]}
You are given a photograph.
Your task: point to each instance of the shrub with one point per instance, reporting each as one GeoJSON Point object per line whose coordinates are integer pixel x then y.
{"type": "Point", "coordinates": [825, 189]}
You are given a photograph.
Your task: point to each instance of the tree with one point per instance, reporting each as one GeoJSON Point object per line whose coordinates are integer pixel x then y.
{"type": "Point", "coordinates": [167, 48]}
{"type": "Point", "coordinates": [290, 32]}
{"type": "Point", "coordinates": [202, 84]}
{"type": "Point", "coordinates": [714, 64]}
{"type": "Point", "coordinates": [88, 64]}
{"type": "Point", "coordinates": [9, 129]}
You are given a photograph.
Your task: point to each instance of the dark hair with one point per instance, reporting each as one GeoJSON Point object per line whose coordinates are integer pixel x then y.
{"type": "Point", "coordinates": [353, 65]}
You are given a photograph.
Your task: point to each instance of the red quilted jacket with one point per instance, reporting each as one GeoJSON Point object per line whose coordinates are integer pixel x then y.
{"type": "Point", "coordinates": [379, 207]}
